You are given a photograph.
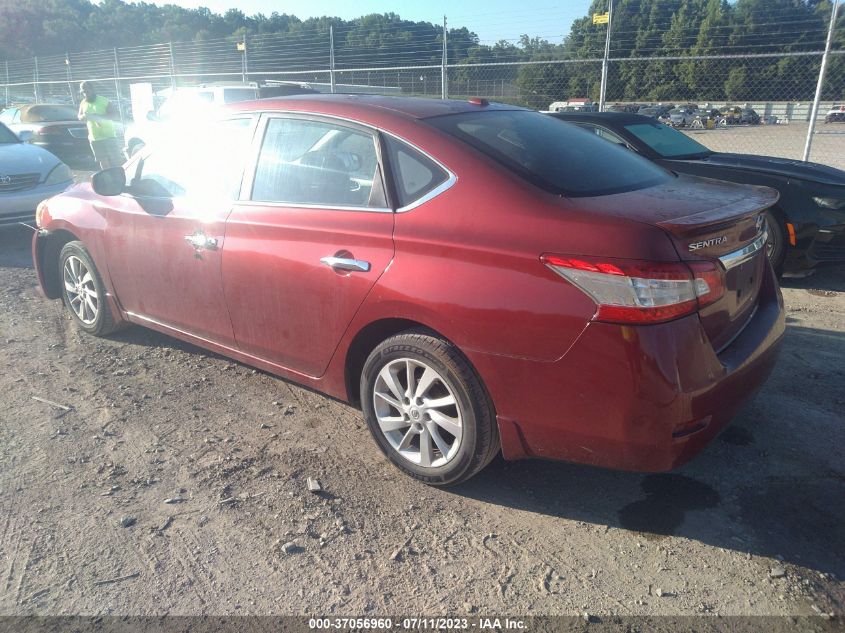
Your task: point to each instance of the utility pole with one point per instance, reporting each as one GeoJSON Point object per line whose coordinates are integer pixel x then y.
{"type": "Point", "coordinates": [172, 71]}
{"type": "Point", "coordinates": [815, 110]}
{"type": "Point", "coordinates": [331, 58]}
{"type": "Point", "coordinates": [603, 89]}
{"type": "Point", "coordinates": [444, 75]}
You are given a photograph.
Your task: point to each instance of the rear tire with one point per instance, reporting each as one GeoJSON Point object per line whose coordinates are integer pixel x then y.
{"type": "Point", "coordinates": [427, 409]}
{"type": "Point", "coordinates": [83, 291]}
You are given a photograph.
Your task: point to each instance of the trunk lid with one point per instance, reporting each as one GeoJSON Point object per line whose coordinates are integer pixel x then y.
{"type": "Point", "coordinates": [708, 220]}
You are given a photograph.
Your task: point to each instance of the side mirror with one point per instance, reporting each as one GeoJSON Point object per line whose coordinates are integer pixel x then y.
{"type": "Point", "coordinates": [152, 116]}
{"type": "Point", "coordinates": [25, 136]}
{"type": "Point", "coordinates": [109, 182]}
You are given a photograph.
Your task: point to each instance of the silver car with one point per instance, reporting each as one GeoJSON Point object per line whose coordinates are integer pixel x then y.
{"type": "Point", "coordinates": [28, 175]}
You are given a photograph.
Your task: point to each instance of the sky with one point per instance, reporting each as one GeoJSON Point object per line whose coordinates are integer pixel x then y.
{"type": "Point", "coordinates": [491, 20]}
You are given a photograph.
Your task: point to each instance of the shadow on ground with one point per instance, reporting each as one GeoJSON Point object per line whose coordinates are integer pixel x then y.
{"type": "Point", "coordinates": [760, 488]}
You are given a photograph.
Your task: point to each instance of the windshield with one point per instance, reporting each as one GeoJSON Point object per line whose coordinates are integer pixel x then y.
{"type": "Point", "coordinates": [666, 141]}
{"type": "Point", "coordinates": [44, 113]}
{"type": "Point", "coordinates": [7, 136]}
{"type": "Point", "coordinates": [557, 156]}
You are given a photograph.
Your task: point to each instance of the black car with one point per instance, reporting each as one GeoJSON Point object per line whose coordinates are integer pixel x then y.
{"type": "Point", "coordinates": [53, 126]}
{"type": "Point", "coordinates": [806, 227]}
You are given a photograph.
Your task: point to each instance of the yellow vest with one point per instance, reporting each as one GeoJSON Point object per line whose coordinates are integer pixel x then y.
{"type": "Point", "coordinates": [98, 130]}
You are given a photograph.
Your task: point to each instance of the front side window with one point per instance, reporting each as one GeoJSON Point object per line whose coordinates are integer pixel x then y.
{"type": "Point", "coordinates": [555, 155]}
{"type": "Point", "coordinates": [317, 163]}
{"type": "Point", "coordinates": [204, 162]}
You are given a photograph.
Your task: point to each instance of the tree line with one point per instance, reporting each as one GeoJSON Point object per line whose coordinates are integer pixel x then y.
{"type": "Point", "coordinates": [642, 30]}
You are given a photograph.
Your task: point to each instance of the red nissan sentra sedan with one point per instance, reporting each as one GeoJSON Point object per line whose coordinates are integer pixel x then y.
{"type": "Point", "coordinates": [476, 277]}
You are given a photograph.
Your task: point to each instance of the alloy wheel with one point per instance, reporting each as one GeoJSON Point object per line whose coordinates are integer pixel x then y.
{"type": "Point", "coordinates": [417, 412]}
{"type": "Point", "coordinates": [80, 290]}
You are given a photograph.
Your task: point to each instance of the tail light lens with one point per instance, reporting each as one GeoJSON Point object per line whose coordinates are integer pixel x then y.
{"type": "Point", "coordinates": [634, 291]}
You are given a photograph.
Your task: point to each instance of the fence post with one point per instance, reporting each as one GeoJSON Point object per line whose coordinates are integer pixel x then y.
{"type": "Point", "coordinates": [331, 58]}
{"type": "Point", "coordinates": [444, 76]}
{"type": "Point", "coordinates": [35, 81]}
{"type": "Point", "coordinates": [172, 70]}
{"type": "Point", "coordinates": [245, 75]}
{"type": "Point", "coordinates": [117, 87]}
{"type": "Point", "coordinates": [815, 110]}
{"type": "Point", "coordinates": [69, 75]}
{"type": "Point", "coordinates": [603, 89]}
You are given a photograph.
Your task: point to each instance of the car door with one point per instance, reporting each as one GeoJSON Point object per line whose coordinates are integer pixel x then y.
{"type": "Point", "coordinates": [308, 240]}
{"type": "Point", "coordinates": [166, 233]}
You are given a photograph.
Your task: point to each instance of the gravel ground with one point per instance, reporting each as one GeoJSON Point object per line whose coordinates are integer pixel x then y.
{"type": "Point", "coordinates": [173, 481]}
{"type": "Point", "coordinates": [785, 141]}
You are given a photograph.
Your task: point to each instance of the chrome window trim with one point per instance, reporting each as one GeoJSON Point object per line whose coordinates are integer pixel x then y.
{"type": "Point", "coordinates": [742, 255]}
{"type": "Point", "coordinates": [446, 184]}
{"type": "Point", "coordinates": [303, 205]}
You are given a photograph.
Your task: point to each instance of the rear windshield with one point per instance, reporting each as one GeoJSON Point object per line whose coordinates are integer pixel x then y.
{"type": "Point", "coordinates": [42, 113]}
{"type": "Point", "coordinates": [552, 154]}
{"type": "Point", "coordinates": [667, 141]}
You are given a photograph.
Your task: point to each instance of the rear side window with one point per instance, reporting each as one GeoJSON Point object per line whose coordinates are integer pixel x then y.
{"type": "Point", "coordinates": [557, 156]}
{"type": "Point", "coordinates": [414, 173]}
{"type": "Point", "coordinates": [45, 113]}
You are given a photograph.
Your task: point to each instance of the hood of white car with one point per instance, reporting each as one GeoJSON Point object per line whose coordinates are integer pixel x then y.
{"type": "Point", "coordinates": [21, 158]}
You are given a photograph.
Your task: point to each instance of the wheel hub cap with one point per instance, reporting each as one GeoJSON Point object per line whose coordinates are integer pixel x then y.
{"type": "Point", "coordinates": [417, 412]}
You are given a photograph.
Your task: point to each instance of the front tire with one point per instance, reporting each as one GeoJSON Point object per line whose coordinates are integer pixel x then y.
{"type": "Point", "coordinates": [427, 409]}
{"type": "Point", "coordinates": [83, 291]}
{"type": "Point", "coordinates": [776, 245]}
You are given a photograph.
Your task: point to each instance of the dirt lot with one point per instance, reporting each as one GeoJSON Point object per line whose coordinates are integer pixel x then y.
{"type": "Point", "coordinates": [176, 484]}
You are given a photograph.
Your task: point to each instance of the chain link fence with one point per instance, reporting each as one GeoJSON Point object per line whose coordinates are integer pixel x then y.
{"type": "Point", "coordinates": [711, 92]}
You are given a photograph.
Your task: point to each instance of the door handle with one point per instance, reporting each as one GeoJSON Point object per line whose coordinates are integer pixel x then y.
{"type": "Point", "coordinates": [346, 264]}
{"type": "Point", "coordinates": [200, 241]}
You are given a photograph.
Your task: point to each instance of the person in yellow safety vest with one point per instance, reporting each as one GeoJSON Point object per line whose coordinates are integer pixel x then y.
{"type": "Point", "coordinates": [100, 115]}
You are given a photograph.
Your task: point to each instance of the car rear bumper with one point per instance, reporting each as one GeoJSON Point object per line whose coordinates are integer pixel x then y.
{"type": "Point", "coordinates": [66, 148]}
{"type": "Point", "coordinates": [19, 206]}
{"type": "Point", "coordinates": [642, 398]}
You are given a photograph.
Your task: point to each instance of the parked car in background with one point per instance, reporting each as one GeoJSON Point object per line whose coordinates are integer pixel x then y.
{"type": "Point", "coordinates": [28, 175]}
{"type": "Point", "coordinates": [661, 113]}
{"type": "Point", "coordinates": [683, 117]}
{"type": "Point", "coordinates": [196, 104]}
{"type": "Point", "coordinates": [51, 126]}
{"type": "Point", "coordinates": [736, 115]}
{"type": "Point", "coordinates": [835, 115]}
{"type": "Point", "coordinates": [473, 275]}
{"type": "Point", "coordinates": [624, 107]}
{"type": "Point", "coordinates": [806, 226]}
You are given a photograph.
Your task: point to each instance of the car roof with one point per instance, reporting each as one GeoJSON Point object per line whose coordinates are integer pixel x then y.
{"type": "Point", "coordinates": [352, 105]}
{"type": "Point", "coordinates": [617, 118]}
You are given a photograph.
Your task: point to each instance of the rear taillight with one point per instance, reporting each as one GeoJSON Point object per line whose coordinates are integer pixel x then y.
{"type": "Point", "coordinates": [634, 291]}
